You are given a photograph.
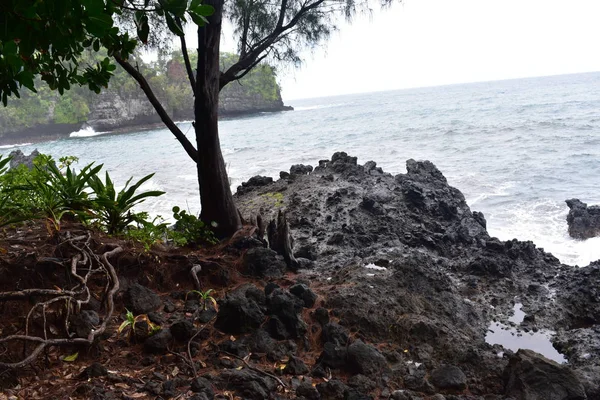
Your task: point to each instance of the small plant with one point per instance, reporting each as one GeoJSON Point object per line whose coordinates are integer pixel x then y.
{"type": "Point", "coordinates": [205, 297]}
{"type": "Point", "coordinates": [189, 229]}
{"type": "Point", "coordinates": [131, 320]}
{"type": "Point", "coordinates": [114, 209]}
{"type": "Point", "coordinates": [148, 232]}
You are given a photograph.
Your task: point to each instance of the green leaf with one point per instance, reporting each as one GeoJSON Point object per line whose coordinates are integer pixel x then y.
{"type": "Point", "coordinates": [174, 26]}
{"type": "Point", "coordinates": [99, 24]}
{"type": "Point", "coordinates": [176, 7]}
{"type": "Point", "coordinates": [198, 19]}
{"type": "Point", "coordinates": [71, 358]}
{"type": "Point", "coordinates": [203, 9]}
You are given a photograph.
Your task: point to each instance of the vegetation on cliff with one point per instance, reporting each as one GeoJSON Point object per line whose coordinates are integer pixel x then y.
{"type": "Point", "coordinates": [167, 76]}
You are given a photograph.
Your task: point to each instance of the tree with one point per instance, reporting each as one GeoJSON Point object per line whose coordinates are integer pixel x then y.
{"type": "Point", "coordinates": [48, 38]}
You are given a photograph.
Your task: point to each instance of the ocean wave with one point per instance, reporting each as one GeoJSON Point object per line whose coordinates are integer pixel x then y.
{"type": "Point", "coordinates": [319, 106]}
{"type": "Point", "coordinates": [88, 131]}
{"type": "Point", "coordinates": [9, 146]}
{"type": "Point", "coordinates": [544, 222]}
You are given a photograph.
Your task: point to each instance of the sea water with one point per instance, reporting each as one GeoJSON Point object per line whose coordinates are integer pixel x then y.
{"type": "Point", "coordinates": [516, 149]}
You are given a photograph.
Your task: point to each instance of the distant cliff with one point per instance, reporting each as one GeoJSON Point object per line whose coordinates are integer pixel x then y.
{"type": "Point", "coordinates": [123, 106]}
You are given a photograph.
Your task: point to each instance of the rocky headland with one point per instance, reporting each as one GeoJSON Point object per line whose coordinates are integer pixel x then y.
{"type": "Point", "coordinates": [347, 282]}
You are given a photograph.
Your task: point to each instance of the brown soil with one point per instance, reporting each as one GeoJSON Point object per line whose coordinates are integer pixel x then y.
{"type": "Point", "coordinates": [31, 257]}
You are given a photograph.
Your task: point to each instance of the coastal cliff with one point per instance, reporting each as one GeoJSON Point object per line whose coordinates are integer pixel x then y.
{"type": "Point", "coordinates": [123, 105]}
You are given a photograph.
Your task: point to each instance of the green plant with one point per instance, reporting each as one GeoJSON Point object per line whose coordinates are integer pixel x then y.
{"type": "Point", "coordinates": [205, 297]}
{"type": "Point", "coordinates": [114, 209]}
{"type": "Point", "coordinates": [70, 186]}
{"type": "Point", "coordinates": [148, 232]}
{"type": "Point", "coordinates": [189, 229]}
{"type": "Point", "coordinates": [130, 321]}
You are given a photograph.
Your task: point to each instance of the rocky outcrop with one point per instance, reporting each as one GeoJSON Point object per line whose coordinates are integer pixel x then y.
{"type": "Point", "coordinates": [584, 221]}
{"type": "Point", "coordinates": [404, 261]}
{"type": "Point", "coordinates": [529, 376]}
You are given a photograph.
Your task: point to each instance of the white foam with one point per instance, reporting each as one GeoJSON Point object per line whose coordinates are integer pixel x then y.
{"type": "Point", "coordinates": [544, 222]}
{"type": "Point", "coordinates": [9, 146]}
{"type": "Point", "coordinates": [88, 131]}
{"type": "Point", "coordinates": [376, 267]}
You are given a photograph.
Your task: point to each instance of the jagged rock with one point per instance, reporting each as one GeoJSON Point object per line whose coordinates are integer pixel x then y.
{"type": "Point", "coordinates": [285, 309]}
{"type": "Point", "coordinates": [584, 221]}
{"type": "Point", "coordinates": [435, 278]}
{"type": "Point", "coordinates": [84, 322]}
{"type": "Point", "coordinates": [239, 313]}
{"type": "Point", "coordinates": [301, 169]}
{"type": "Point", "coordinates": [246, 383]}
{"type": "Point", "coordinates": [159, 342]}
{"type": "Point", "coordinates": [321, 315]}
{"type": "Point", "coordinates": [448, 377]}
{"type": "Point", "coordinates": [295, 366]}
{"type": "Point", "coordinates": [530, 376]}
{"type": "Point", "coordinates": [335, 333]}
{"type": "Point", "coordinates": [202, 385]}
{"type": "Point", "coordinates": [304, 293]}
{"type": "Point", "coordinates": [308, 391]}
{"type": "Point", "coordinates": [333, 356]}
{"type": "Point", "coordinates": [18, 158]}
{"type": "Point", "coordinates": [182, 330]}
{"type": "Point", "coordinates": [264, 263]}
{"type": "Point", "coordinates": [332, 390]}
{"type": "Point", "coordinates": [366, 359]}
{"type": "Point", "coordinates": [254, 182]}
{"type": "Point", "coordinates": [140, 300]}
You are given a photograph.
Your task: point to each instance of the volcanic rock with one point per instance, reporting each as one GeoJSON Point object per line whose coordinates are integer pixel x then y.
{"type": "Point", "coordinates": [584, 221]}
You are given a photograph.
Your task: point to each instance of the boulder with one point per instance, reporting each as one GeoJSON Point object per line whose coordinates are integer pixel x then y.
{"type": "Point", "coordinates": [254, 182]}
{"type": "Point", "coordinates": [531, 376]}
{"type": "Point", "coordinates": [304, 293]}
{"type": "Point", "coordinates": [584, 221]}
{"type": "Point", "coordinates": [140, 300]}
{"type": "Point", "coordinates": [448, 377]}
{"type": "Point", "coordinates": [261, 262]}
{"type": "Point", "coordinates": [365, 359]}
{"type": "Point", "coordinates": [284, 309]}
{"type": "Point", "coordinates": [239, 313]}
{"type": "Point", "coordinates": [159, 342]}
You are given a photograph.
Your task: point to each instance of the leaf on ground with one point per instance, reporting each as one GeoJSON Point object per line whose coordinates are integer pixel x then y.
{"type": "Point", "coordinates": [71, 357]}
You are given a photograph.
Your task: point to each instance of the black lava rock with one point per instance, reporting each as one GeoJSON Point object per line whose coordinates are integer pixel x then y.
{"type": "Point", "coordinates": [140, 300]}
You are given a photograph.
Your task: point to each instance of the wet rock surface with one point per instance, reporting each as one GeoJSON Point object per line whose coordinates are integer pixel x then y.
{"type": "Point", "coordinates": [414, 282]}
{"type": "Point", "coordinates": [584, 221]}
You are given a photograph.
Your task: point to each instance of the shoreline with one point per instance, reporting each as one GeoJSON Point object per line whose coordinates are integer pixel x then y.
{"type": "Point", "coordinates": [34, 135]}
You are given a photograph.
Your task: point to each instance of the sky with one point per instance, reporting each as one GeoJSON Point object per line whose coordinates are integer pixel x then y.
{"type": "Point", "coordinates": [420, 43]}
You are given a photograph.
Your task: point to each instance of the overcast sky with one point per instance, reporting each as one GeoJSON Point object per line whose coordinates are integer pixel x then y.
{"type": "Point", "coordinates": [433, 42]}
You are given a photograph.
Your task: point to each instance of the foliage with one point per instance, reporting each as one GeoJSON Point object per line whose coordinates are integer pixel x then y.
{"type": "Point", "coordinates": [205, 297]}
{"type": "Point", "coordinates": [114, 209]}
{"type": "Point", "coordinates": [47, 38]}
{"type": "Point", "coordinates": [189, 229]}
{"type": "Point", "coordinates": [52, 191]}
{"type": "Point", "coordinates": [147, 232]}
{"type": "Point", "coordinates": [130, 321]}
{"type": "Point", "coordinates": [167, 76]}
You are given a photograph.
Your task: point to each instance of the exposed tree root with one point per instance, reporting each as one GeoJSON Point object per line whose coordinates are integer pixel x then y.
{"type": "Point", "coordinates": [64, 302]}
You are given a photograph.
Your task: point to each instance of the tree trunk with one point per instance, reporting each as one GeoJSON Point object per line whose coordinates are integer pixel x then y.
{"type": "Point", "coordinates": [218, 208]}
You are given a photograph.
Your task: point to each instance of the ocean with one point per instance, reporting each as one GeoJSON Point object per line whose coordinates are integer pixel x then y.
{"type": "Point", "coordinates": [517, 149]}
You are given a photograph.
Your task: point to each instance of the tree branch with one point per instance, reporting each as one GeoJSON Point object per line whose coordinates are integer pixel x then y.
{"type": "Point", "coordinates": [187, 145]}
{"type": "Point", "coordinates": [188, 65]}
{"type": "Point", "coordinates": [248, 61]}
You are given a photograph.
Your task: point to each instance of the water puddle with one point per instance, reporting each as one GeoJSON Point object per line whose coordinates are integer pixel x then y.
{"type": "Point", "coordinates": [512, 339]}
{"type": "Point", "coordinates": [518, 314]}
